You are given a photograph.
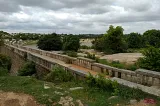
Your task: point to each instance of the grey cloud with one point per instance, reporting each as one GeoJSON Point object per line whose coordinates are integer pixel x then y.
{"type": "Point", "coordinates": [78, 16]}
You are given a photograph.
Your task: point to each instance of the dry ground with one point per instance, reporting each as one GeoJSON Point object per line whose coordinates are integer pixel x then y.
{"type": "Point", "coordinates": [123, 57]}
{"type": "Point", "coordinates": [17, 99]}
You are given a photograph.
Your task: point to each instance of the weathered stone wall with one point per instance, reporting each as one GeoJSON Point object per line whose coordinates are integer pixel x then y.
{"type": "Point", "coordinates": [17, 60]}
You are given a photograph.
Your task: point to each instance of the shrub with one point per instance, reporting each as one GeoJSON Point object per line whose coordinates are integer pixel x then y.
{"type": "Point", "coordinates": [117, 64]}
{"type": "Point", "coordinates": [71, 53]}
{"type": "Point", "coordinates": [27, 70]}
{"type": "Point", "coordinates": [85, 47]}
{"type": "Point", "coordinates": [58, 74]}
{"type": "Point", "coordinates": [5, 61]}
{"type": "Point", "coordinates": [91, 56]}
{"type": "Point", "coordinates": [101, 82]}
{"type": "Point", "coordinates": [151, 59]}
{"type": "Point", "coordinates": [130, 93]}
{"type": "Point", "coordinates": [3, 71]}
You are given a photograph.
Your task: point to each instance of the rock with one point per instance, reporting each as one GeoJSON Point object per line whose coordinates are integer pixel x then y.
{"type": "Point", "coordinates": [58, 88]}
{"type": "Point", "coordinates": [50, 100]}
{"type": "Point", "coordinates": [66, 104]}
{"type": "Point", "coordinates": [76, 88]}
{"type": "Point", "coordinates": [133, 102]}
{"type": "Point", "coordinates": [72, 104]}
{"type": "Point", "coordinates": [157, 87]}
{"type": "Point", "coordinates": [112, 97]}
{"type": "Point", "coordinates": [66, 101]}
{"type": "Point", "coordinates": [68, 98]}
{"type": "Point", "coordinates": [58, 93]}
{"type": "Point", "coordinates": [46, 86]}
{"type": "Point", "coordinates": [79, 103]}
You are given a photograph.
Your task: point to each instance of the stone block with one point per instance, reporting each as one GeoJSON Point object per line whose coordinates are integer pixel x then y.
{"type": "Point", "coordinates": [156, 81]}
{"type": "Point", "coordinates": [123, 76]}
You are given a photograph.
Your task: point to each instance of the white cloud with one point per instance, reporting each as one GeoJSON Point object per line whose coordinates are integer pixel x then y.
{"type": "Point", "coordinates": [80, 16]}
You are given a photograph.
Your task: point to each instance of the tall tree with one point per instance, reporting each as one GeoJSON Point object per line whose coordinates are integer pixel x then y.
{"type": "Point", "coordinates": [50, 42]}
{"type": "Point", "coordinates": [152, 37]}
{"type": "Point", "coordinates": [71, 43]}
{"type": "Point", "coordinates": [135, 40]}
{"type": "Point", "coordinates": [114, 39]}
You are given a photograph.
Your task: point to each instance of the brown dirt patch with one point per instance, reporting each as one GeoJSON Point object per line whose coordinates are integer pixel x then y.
{"type": "Point", "coordinates": [17, 99]}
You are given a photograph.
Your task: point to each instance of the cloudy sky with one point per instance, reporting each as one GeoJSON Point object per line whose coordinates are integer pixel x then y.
{"type": "Point", "coordinates": [78, 16]}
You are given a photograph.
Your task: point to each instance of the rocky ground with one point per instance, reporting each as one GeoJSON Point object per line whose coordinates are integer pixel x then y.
{"type": "Point", "coordinates": [17, 99]}
{"type": "Point", "coordinates": [20, 99]}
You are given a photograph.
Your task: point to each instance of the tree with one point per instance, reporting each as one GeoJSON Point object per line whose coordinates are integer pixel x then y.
{"type": "Point", "coordinates": [135, 40]}
{"type": "Point", "coordinates": [113, 41]}
{"type": "Point", "coordinates": [151, 59]}
{"type": "Point", "coordinates": [50, 42]}
{"type": "Point", "coordinates": [71, 43]}
{"type": "Point", "coordinates": [152, 37]}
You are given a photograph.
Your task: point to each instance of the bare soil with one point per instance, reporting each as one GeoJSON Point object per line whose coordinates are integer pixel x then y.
{"type": "Point", "coordinates": [128, 58]}
{"type": "Point", "coordinates": [17, 99]}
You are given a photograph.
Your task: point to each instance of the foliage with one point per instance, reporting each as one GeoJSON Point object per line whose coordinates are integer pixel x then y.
{"type": "Point", "coordinates": [71, 43]}
{"type": "Point", "coordinates": [135, 40]}
{"type": "Point", "coordinates": [85, 47]}
{"type": "Point", "coordinates": [152, 37]}
{"type": "Point", "coordinates": [130, 93]}
{"type": "Point", "coordinates": [26, 36]}
{"type": "Point", "coordinates": [98, 44]}
{"type": "Point", "coordinates": [91, 56]}
{"type": "Point", "coordinates": [101, 82]}
{"type": "Point", "coordinates": [5, 61]}
{"type": "Point", "coordinates": [28, 69]}
{"type": "Point", "coordinates": [3, 71]}
{"type": "Point", "coordinates": [151, 59]}
{"type": "Point", "coordinates": [118, 64]}
{"type": "Point", "coordinates": [112, 42]}
{"type": "Point", "coordinates": [71, 53]}
{"type": "Point", "coordinates": [50, 42]}
{"type": "Point", "coordinates": [58, 74]}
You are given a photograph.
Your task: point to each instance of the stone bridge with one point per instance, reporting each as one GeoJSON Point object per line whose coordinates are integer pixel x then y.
{"type": "Point", "coordinates": [146, 80]}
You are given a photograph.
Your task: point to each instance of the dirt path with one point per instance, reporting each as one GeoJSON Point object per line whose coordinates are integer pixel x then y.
{"type": "Point", "coordinates": [17, 99]}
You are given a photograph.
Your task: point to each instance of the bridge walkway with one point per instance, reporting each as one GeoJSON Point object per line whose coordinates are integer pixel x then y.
{"type": "Point", "coordinates": [76, 67]}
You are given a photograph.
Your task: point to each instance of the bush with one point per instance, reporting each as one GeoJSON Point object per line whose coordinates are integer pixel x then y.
{"type": "Point", "coordinates": [117, 64]}
{"type": "Point", "coordinates": [50, 42]}
{"type": "Point", "coordinates": [27, 70]}
{"type": "Point", "coordinates": [151, 59]}
{"type": "Point", "coordinates": [58, 74]}
{"type": "Point", "coordinates": [101, 82]}
{"type": "Point", "coordinates": [5, 61]}
{"type": "Point", "coordinates": [3, 71]}
{"type": "Point", "coordinates": [71, 53]}
{"type": "Point", "coordinates": [130, 93]}
{"type": "Point", "coordinates": [85, 47]}
{"type": "Point", "coordinates": [91, 56]}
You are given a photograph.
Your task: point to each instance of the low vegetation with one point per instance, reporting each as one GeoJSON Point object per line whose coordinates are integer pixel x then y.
{"type": "Point", "coordinates": [92, 94]}
{"type": "Point", "coordinates": [71, 53]}
{"type": "Point", "coordinates": [151, 59]}
{"type": "Point", "coordinates": [58, 74]}
{"type": "Point", "coordinates": [28, 69]}
{"type": "Point", "coordinates": [118, 64]}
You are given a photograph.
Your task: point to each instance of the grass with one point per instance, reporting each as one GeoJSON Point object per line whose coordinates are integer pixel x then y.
{"type": "Point", "coordinates": [89, 95]}
{"type": "Point", "coordinates": [30, 42]}
{"type": "Point", "coordinates": [132, 67]}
